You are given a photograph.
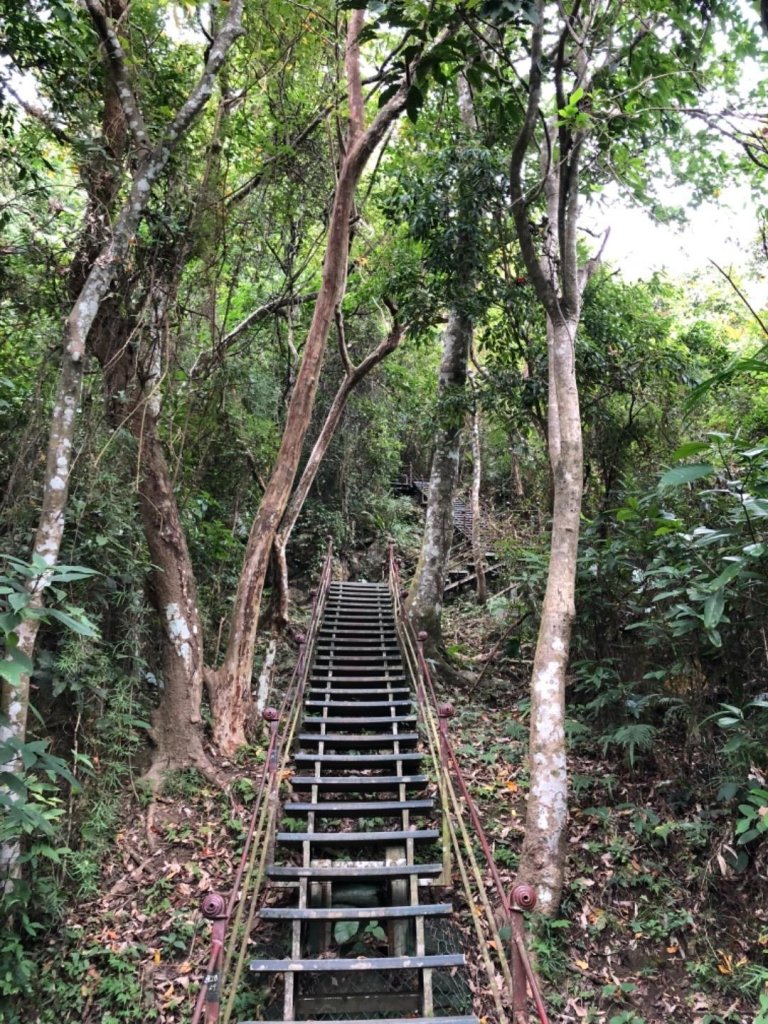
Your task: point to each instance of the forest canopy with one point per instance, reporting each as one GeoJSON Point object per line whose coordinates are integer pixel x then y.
{"type": "Point", "coordinates": [273, 272]}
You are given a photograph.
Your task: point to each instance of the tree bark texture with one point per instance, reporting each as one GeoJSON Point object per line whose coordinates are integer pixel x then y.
{"type": "Point", "coordinates": [352, 377]}
{"type": "Point", "coordinates": [559, 281]}
{"type": "Point", "coordinates": [230, 684]}
{"type": "Point", "coordinates": [88, 303]}
{"type": "Point", "coordinates": [543, 854]}
{"type": "Point", "coordinates": [425, 601]}
{"type": "Point", "coordinates": [478, 554]}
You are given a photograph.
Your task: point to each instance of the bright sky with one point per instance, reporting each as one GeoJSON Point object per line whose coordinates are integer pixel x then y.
{"type": "Point", "coordinates": [725, 232]}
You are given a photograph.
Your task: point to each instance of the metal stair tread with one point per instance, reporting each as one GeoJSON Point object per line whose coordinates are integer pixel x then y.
{"type": "Point", "coordinates": [348, 808]}
{"type": "Point", "coordinates": [358, 759]}
{"type": "Point", "coordinates": [358, 838]}
{"type": "Point", "coordinates": [332, 871]}
{"type": "Point", "coordinates": [399, 702]}
{"type": "Point", "coordinates": [332, 676]}
{"type": "Point", "coordinates": [354, 913]}
{"type": "Point", "coordinates": [363, 963]}
{"type": "Point", "coordinates": [361, 781]}
{"type": "Point", "coordinates": [357, 720]}
{"type": "Point", "coordinates": [358, 738]}
{"type": "Point", "coordinates": [389, 1020]}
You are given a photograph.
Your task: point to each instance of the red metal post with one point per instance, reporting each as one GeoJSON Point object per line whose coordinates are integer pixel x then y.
{"type": "Point", "coordinates": [214, 907]}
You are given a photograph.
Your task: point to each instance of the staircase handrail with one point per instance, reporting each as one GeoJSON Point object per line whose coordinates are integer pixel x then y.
{"type": "Point", "coordinates": [214, 906]}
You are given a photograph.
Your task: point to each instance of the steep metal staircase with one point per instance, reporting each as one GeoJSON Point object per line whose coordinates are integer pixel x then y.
{"type": "Point", "coordinates": [357, 870]}
{"type": "Point", "coordinates": [349, 926]}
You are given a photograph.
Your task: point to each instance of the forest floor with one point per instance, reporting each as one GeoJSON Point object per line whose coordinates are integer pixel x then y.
{"type": "Point", "coordinates": [654, 925]}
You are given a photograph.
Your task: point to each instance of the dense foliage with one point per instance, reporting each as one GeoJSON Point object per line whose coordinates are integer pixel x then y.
{"type": "Point", "coordinates": [669, 671]}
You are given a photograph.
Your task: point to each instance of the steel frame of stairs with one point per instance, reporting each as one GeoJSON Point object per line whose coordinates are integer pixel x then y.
{"type": "Point", "coordinates": [358, 764]}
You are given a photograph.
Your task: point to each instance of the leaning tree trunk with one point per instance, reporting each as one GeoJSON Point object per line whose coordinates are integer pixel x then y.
{"type": "Point", "coordinates": [229, 686]}
{"type": "Point", "coordinates": [425, 601]}
{"type": "Point", "coordinates": [352, 377]}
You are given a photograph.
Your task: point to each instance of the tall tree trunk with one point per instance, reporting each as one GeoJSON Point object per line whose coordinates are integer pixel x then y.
{"type": "Point", "coordinates": [425, 601]}
{"type": "Point", "coordinates": [230, 684]}
{"type": "Point", "coordinates": [152, 160]}
{"type": "Point", "coordinates": [543, 855]}
{"type": "Point", "coordinates": [559, 282]}
{"type": "Point", "coordinates": [352, 377]}
{"type": "Point", "coordinates": [478, 554]}
{"type": "Point", "coordinates": [176, 722]}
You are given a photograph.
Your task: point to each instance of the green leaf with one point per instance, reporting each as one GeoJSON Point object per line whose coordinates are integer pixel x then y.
{"type": "Point", "coordinates": [713, 609]}
{"type": "Point", "coordinates": [680, 475]}
{"type": "Point", "coordinates": [727, 575]}
{"type": "Point", "coordinates": [685, 451]}
{"type": "Point", "coordinates": [345, 931]}
{"type": "Point", "coordinates": [414, 101]}
{"type": "Point", "coordinates": [12, 782]}
{"type": "Point", "coordinates": [14, 666]}
{"type": "Point", "coordinates": [79, 625]}
{"type": "Point", "coordinates": [748, 836]}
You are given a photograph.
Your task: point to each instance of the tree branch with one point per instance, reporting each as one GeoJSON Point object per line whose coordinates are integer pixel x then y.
{"type": "Point", "coordinates": [123, 87]}
{"type": "Point", "coordinates": [354, 85]}
{"type": "Point", "coordinates": [542, 285]}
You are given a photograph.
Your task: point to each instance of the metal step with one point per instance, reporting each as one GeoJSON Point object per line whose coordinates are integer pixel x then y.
{"type": "Point", "coordinates": [351, 871]}
{"type": "Point", "coordinates": [335, 645]}
{"type": "Point", "coordinates": [357, 720]}
{"type": "Point", "coordinates": [391, 1020]}
{"type": "Point", "coordinates": [356, 760]}
{"type": "Point", "coordinates": [336, 632]}
{"type": "Point", "coordinates": [375, 677]}
{"type": "Point", "coordinates": [360, 782]}
{"type": "Point", "coordinates": [350, 808]}
{"type": "Point", "coordinates": [355, 704]}
{"type": "Point", "coordinates": [363, 963]}
{"type": "Point", "coordinates": [357, 691]}
{"type": "Point", "coordinates": [359, 838]}
{"type": "Point", "coordinates": [354, 913]}
{"type": "Point", "coordinates": [363, 740]}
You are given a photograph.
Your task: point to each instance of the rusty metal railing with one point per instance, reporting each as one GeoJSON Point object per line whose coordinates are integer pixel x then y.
{"type": "Point", "coordinates": [522, 897]}
{"type": "Point", "coordinates": [235, 914]}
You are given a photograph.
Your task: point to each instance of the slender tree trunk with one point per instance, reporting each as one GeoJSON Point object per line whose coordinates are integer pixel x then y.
{"type": "Point", "coordinates": [230, 684]}
{"type": "Point", "coordinates": [559, 282]}
{"type": "Point", "coordinates": [543, 854]}
{"type": "Point", "coordinates": [352, 377]}
{"type": "Point", "coordinates": [478, 554]}
{"type": "Point", "coordinates": [151, 163]}
{"type": "Point", "coordinates": [425, 601]}
{"type": "Point", "coordinates": [515, 476]}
